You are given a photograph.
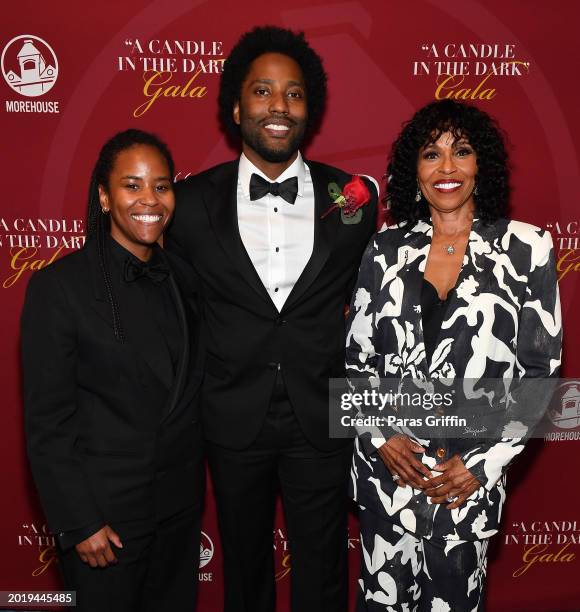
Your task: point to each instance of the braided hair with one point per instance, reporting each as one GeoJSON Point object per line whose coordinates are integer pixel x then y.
{"type": "Point", "coordinates": [99, 223]}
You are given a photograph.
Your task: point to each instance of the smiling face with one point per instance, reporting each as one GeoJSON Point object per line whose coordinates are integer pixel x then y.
{"type": "Point", "coordinates": [139, 197]}
{"type": "Point", "coordinates": [446, 172]}
{"type": "Point", "coordinates": [272, 111]}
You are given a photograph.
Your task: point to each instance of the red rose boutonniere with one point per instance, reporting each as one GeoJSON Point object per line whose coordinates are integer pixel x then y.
{"type": "Point", "coordinates": [350, 200]}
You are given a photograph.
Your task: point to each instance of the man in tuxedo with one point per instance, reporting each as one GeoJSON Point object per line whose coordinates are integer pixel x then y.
{"type": "Point", "coordinates": [276, 273]}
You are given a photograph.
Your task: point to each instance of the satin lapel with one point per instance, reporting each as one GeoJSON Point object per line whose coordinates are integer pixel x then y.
{"type": "Point", "coordinates": [101, 303]}
{"type": "Point", "coordinates": [324, 232]}
{"type": "Point", "coordinates": [181, 373]}
{"type": "Point", "coordinates": [222, 208]}
{"type": "Point", "coordinates": [411, 260]}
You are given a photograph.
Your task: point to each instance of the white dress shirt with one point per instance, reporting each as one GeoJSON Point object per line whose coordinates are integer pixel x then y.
{"type": "Point", "coordinates": [278, 236]}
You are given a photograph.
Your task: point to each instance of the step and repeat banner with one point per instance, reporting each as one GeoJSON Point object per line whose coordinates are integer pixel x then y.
{"type": "Point", "coordinates": [74, 73]}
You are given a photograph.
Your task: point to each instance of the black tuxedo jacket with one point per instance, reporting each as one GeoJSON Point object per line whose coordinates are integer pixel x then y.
{"type": "Point", "coordinates": [248, 340]}
{"type": "Point", "coordinates": [112, 434]}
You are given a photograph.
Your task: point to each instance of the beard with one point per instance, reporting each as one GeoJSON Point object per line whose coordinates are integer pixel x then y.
{"type": "Point", "coordinates": [252, 136]}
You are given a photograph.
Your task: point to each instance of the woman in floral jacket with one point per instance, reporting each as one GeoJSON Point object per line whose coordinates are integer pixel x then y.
{"type": "Point", "coordinates": [452, 292]}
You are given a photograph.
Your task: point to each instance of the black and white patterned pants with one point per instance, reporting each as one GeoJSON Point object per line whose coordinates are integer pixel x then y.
{"type": "Point", "coordinates": [402, 573]}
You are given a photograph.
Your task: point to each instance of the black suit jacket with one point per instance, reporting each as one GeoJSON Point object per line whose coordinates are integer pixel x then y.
{"type": "Point", "coordinates": [247, 338]}
{"type": "Point", "coordinates": [112, 433]}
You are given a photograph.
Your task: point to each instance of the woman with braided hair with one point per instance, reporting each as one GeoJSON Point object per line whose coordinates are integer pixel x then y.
{"type": "Point", "coordinates": [111, 370]}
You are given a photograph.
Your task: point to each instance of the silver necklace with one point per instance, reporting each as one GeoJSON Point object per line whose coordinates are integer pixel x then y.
{"type": "Point", "coordinates": [450, 248]}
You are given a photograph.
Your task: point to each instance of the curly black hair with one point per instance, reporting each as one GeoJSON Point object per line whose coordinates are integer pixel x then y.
{"type": "Point", "coordinates": [426, 126]}
{"type": "Point", "coordinates": [271, 39]}
{"type": "Point", "coordinates": [98, 223]}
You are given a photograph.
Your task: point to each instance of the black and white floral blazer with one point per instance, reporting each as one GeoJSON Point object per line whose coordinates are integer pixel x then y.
{"type": "Point", "coordinates": [502, 321]}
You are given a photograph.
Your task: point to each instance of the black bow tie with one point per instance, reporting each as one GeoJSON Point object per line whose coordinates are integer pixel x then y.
{"type": "Point", "coordinates": [157, 272]}
{"type": "Point", "coordinates": [259, 187]}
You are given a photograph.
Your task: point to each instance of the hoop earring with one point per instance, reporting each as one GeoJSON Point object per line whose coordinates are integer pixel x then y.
{"type": "Point", "coordinates": [418, 195]}
{"type": "Point", "coordinates": [476, 191]}
{"type": "Point", "coordinates": [104, 210]}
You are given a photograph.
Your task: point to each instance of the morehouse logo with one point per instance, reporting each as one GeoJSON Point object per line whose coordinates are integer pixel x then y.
{"type": "Point", "coordinates": [30, 68]}
{"type": "Point", "coordinates": [564, 412]}
{"type": "Point", "coordinates": [206, 552]}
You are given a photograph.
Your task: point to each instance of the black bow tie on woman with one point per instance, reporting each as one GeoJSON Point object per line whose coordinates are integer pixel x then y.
{"type": "Point", "coordinates": [157, 271]}
{"type": "Point", "coordinates": [259, 187]}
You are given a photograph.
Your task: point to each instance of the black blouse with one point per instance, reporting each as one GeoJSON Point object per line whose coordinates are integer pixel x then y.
{"type": "Point", "coordinates": [159, 304]}
{"type": "Point", "coordinates": [433, 310]}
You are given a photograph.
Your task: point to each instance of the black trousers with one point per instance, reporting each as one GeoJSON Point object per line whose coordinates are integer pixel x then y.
{"type": "Point", "coordinates": [156, 569]}
{"type": "Point", "coordinates": [313, 486]}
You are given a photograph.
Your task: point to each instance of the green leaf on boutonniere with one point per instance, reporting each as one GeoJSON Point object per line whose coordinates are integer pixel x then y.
{"type": "Point", "coordinates": [335, 193]}
{"type": "Point", "coordinates": [351, 219]}
{"type": "Point", "coordinates": [338, 200]}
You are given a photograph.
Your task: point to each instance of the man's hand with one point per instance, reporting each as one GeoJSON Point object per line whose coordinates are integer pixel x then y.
{"type": "Point", "coordinates": [398, 454]}
{"type": "Point", "coordinates": [96, 550]}
{"type": "Point", "coordinates": [456, 482]}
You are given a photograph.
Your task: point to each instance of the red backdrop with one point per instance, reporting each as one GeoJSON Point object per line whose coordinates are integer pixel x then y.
{"type": "Point", "coordinates": [92, 69]}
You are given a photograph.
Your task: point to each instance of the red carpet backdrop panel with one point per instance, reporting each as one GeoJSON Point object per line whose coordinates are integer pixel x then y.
{"type": "Point", "coordinates": [73, 74]}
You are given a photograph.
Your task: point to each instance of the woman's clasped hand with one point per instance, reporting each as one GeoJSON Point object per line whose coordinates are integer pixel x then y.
{"type": "Point", "coordinates": [452, 487]}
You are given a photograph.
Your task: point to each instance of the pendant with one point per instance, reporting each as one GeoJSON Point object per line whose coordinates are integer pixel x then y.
{"type": "Point", "coordinates": [450, 250]}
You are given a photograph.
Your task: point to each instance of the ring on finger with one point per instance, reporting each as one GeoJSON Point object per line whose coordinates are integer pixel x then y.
{"type": "Point", "coordinates": [396, 477]}
{"type": "Point", "coordinates": [452, 498]}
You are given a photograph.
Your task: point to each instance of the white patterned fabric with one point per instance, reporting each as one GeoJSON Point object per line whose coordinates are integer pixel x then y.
{"type": "Point", "coordinates": [503, 321]}
{"type": "Point", "coordinates": [402, 573]}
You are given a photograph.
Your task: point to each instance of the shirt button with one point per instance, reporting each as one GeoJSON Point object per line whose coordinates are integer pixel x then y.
{"type": "Point", "coordinates": [440, 453]}
{"type": "Point", "coordinates": [277, 249]}
{"type": "Point", "coordinates": [275, 289]}
{"type": "Point", "coordinates": [275, 210]}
